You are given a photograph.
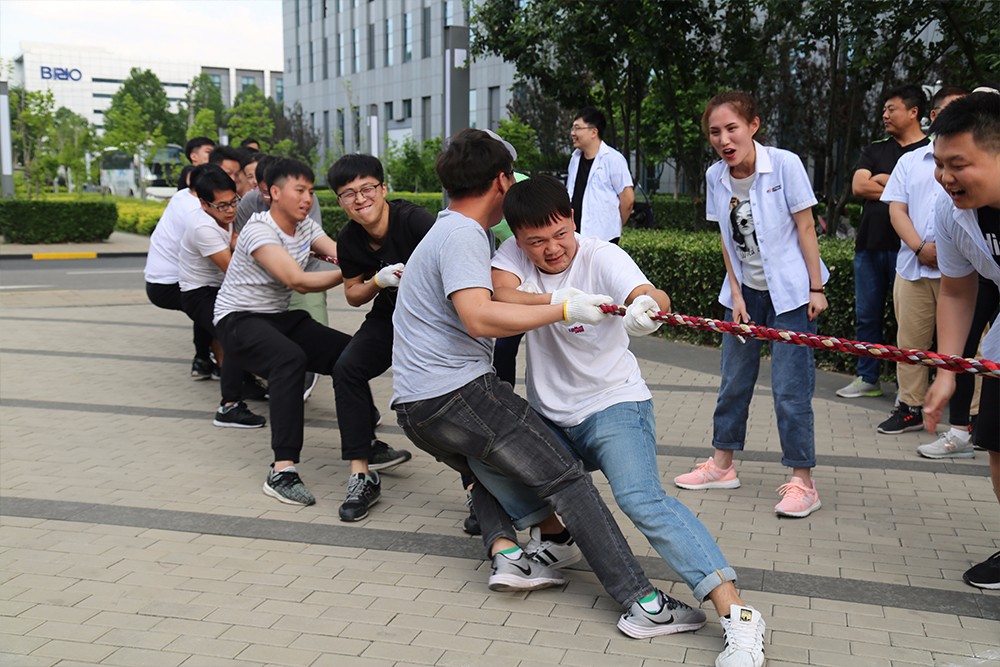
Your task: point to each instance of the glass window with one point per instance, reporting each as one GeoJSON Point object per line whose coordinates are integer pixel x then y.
{"type": "Point", "coordinates": [217, 80]}
{"type": "Point", "coordinates": [389, 38]}
{"type": "Point", "coordinates": [298, 64]}
{"type": "Point", "coordinates": [340, 54]}
{"type": "Point", "coordinates": [388, 112]}
{"type": "Point", "coordinates": [312, 62]}
{"type": "Point", "coordinates": [355, 50]}
{"type": "Point", "coordinates": [494, 110]}
{"type": "Point", "coordinates": [279, 90]}
{"type": "Point", "coordinates": [447, 7]}
{"type": "Point", "coordinates": [473, 108]}
{"type": "Point", "coordinates": [407, 37]}
{"type": "Point", "coordinates": [340, 129]}
{"type": "Point", "coordinates": [371, 46]}
{"type": "Point", "coordinates": [326, 57]}
{"type": "Point", "coordinates": [407, 108]}
{"type": "Point", "coordinates": [425, 117]}
{"type": "Point", "coordinates": [357, 129]}
{"type": "Point", "coordinates": [246, 82]}
{"type": "Point", "coordinates": [425, 31]}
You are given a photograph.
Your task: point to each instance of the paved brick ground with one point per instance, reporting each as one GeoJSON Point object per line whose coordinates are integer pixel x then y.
{"type": "Point", "coordinates": [133, 532]}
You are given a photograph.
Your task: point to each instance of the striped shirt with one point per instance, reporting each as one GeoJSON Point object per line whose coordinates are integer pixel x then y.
{"type": "Point", "coordinates": [248, 286]}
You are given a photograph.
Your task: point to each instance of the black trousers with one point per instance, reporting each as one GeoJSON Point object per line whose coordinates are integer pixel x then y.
{"type": "Point", "coordinates": [168, 297]}
{"type": "Point", "coordinates": [987, 304]}
{"type": "Point", "coordinates": [281, 347]}
{"type": "Point", "coordinates": [199, 305]}
{"type": "Point", "coordinates": [368, 355]}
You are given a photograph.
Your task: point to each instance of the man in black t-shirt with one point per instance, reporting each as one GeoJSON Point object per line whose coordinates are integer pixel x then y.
{"type": "Point", "coordinates": [877, 243]}
{"type": "Point", "coordinates": [372, 250]}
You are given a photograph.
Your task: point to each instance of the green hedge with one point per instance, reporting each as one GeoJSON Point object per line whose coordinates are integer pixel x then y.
{"type": "Point", "coordinates": [689, 267]}
{"type": "Point", "coordinates": [40, 221]}
{"type": "Point", "coordinates": [688, 213]}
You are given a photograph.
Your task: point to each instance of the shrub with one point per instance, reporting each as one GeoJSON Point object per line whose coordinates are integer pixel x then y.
{"type": "Point", "coordinates": [689, 267]}
{"type": "Point", "coordinates": [40, 221]}
{"type": "Point", "coordinates": [138, 218]}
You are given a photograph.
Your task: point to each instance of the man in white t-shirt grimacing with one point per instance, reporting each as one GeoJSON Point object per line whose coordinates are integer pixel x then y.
{"type": "Point", "coordinates": [203, 258]}
{"type": "Point", "coordinates": [583, 380]}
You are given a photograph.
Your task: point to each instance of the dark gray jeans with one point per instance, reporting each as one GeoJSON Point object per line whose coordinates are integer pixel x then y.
{"type": "Point", "coordinates": [486, 420]}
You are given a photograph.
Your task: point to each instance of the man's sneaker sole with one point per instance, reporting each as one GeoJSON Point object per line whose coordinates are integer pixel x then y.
{"type": "Point", "coordinates": [268, 491]}
{"type": "Point", "coordinates": [636, 631]}
{"type": "Point", "coordinates": [863, 394]}
{"type": "Point", "coordinates": [505, 583]}
{"type": "Point", "coordinates": [731, 484]}
{"type": "Point", "coordinates": [216, 422]}
{"type": "Point", "coordinates": [388, 465]}
{"type": "Point", "coordinates": [802, 513]}
{"type": "Point", "coordinates": [905, 429]}
{"type": "Point", "coordinates": [363, 516]}
{"type": "Point", "coordinates": [948, 455]}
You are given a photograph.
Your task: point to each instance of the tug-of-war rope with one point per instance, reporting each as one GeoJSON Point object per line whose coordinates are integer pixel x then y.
{"type": "Point", "coordinates": [983, 367]}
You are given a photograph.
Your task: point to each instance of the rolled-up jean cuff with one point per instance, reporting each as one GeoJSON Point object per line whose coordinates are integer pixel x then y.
{"type": "Point", "coordinates": [788, 463]}
{"type": "Point", "coordinates": [713, 581]}
{"type": "Point", "coordinates": [532, 519]}
{"type": "Point", "coordinates": [728, 446]}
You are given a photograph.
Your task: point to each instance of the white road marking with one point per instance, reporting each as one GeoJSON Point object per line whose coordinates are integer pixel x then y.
{"type": "Point", "coordinates": [23, 286]}
{"type": "Point", "coordinates": [94, 272]}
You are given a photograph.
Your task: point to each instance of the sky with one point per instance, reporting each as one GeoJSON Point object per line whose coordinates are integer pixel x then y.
{"type": "Point", "coordinates": [246, 33]}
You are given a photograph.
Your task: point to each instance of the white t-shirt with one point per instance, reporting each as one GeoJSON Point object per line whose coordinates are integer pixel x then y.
{"type": "Point", "coordinates": [248, 286]}
{"type": "Point", "coordinates": [576, 370]}
{"type": "Point", "coordinates": [744, 234]}
{"type": "Point", "coordinates": [912, 183]}
{"type": "Point", "coordinates": [194, 266]}
{"type": "Point", "coordinates": [165, 243]}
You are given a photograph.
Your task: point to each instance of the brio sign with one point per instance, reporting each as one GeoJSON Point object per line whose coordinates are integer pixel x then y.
{"type": "Point", "coordinates": [60, 73]}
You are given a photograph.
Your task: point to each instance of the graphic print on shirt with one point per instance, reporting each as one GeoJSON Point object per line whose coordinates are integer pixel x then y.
{"type": "Point", "coordinates": [744, 234]}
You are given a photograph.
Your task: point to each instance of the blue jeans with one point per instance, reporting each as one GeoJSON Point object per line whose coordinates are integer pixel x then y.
{"type": "Point", "coordinates": [620, 441]}
{"type": "Point", "coordinates": [793, 379]}
{"type": "Point", "coordinates": [486, 421]}
{"type": "Point", "coordinates": [874, 273]}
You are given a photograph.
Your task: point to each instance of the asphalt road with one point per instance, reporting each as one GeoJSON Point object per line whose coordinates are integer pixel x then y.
{"type": "Point", "coordinates": [77, 274]}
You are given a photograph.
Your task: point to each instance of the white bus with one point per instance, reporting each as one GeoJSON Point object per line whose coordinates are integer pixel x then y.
{"type": "Point", "coordinates": [119, 176]}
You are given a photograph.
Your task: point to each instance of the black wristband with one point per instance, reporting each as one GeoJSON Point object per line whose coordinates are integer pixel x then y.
{"type": "Point", "coordinates": [919, 248]}
{"type": "Point", "coordinates": [818, 290]}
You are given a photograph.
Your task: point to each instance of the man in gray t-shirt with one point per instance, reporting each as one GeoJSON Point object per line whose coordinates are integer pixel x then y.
{"type": "Point", "coordinates": [450, 403]}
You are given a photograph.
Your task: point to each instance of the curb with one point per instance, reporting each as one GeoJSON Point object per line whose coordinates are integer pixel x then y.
{"type": "Point", "coordinates": [43, 256]}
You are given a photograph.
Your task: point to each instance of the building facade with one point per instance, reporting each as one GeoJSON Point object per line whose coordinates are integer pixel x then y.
{"type": "Point", "coordinates": [367, 72]}
{"type": "Point", "coordinates": [84, 78]}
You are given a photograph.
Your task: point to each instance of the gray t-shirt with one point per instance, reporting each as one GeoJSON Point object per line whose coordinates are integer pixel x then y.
{"type": "Point", "coordinates": [248, 286]}
{"type": "Point", "coordinates": [432, 352]}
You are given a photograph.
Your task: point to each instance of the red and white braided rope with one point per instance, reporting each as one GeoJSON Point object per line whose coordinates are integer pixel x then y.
{"type": "Point", "coordinates": [984, 367]}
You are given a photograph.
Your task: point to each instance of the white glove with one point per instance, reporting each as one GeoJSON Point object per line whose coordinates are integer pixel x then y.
{"type": "Point", "coordinates": [561, 295]}
{"type": "Point", "coordinates": [388, 276]}
{"type": "Point", "coordinates": [637, 316]}
{"type": "Point", "coordinates": [528, 287]}
{"type": "Point", "coordinates": [583, 308]}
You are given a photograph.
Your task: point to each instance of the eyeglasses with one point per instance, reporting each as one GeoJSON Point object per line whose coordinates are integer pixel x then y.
{"type": "Point", "coordinates": [226, 206]}
{"type": "Point", "coordinates": [348, 196]}
{"type": "Point", "coordinates": [581, 128]}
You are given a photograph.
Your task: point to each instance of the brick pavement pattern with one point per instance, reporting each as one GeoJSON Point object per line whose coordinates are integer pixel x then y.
{"type": "Point", "coordinates": [133, 532]}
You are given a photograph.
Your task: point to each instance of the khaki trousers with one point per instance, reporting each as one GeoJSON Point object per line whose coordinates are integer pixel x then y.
{"type": "Point", "coordinates": [916, 306]}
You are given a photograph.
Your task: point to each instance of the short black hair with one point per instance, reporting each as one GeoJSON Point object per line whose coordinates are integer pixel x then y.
{"type": "Point", "coordinates": [183, 179]}
{"type": "Point", "coordinates": [471, 161]}
{"type": "Point", "coordinates": [978, 113]}
{"type": "Point", "coordinates": [209, 179]}
{"type": "Point", "coordinates": [285, 168]}
{"type": "Point", "coordinates": [355, 165]}
{"type": "Point", "coordinates": [250, 158]}
{"type": "Point", "coordinates": [222, 153]}
{"type": "Point", "coordinates": [592, 116]}
{"type": "Point", "coordinates": [912, 96]}
{"type": "Point", "coordinates": [263, 165]}
{"type": "Point", "coordinates": [246, 142]}
{"type": "Point", "coordinates": [536, 202]}
{"type": "Point", "coordinates": [194, 144]}
{"type": "Point", "coordinates": [944, 93]}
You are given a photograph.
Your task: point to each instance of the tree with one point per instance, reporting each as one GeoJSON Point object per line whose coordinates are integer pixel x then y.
{"type": "Point", "coordinates": [293, 133]}
{"type": "Point", "coordinates": [410, 166]}
{"type": "Point", "coordinates": [72, 139]}
{"type": "Point", "coordinates": [524, 140]}
{"type": "Point", "coordinates": [32, 119]}
{"type": "Point", "coordinates": [146, 90]}
{"type": "Point", "coordinates": [250, 118]}
{"type": "Point", "coordinates": [549, 119]}
{"type": "Point", "coordinates": [204, 94]}
{"type": "Point", "coordinates": [128, 129]}
{"type": "Point", "coordinates": [204, 125]}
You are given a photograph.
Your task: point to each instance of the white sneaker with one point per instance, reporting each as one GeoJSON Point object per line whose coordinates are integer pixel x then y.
{"type": "Point", "coordinates": [744, 635]}
{"type": "Point", "coordinates": [948, 446]}
{"type": "Point", "coordinates": [860, 389]}
{"type": "Point", "coordinates": [552, 554]}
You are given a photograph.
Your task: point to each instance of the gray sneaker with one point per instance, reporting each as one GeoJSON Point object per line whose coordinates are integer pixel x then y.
{"type": "Point", "coordinates": [522, 574]}
{"type": "Point", "coordinates": [287, 487]}
{"type": "Point", "coordinates": [552, 554]}
{"type": "Point", "coordinates": [860, 389]}
{"type": "Point", "coordinates": [948, 446]}
{"type": "Point", "coordinates": [384, 457]}
{"type": "Point", "coordinates": [674, 616]}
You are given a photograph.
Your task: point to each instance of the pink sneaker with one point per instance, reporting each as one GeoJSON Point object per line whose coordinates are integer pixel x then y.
{"type": "Point", "coordinates": [707, 475]}
{"type": "Point", "coordinates": [798, 499]}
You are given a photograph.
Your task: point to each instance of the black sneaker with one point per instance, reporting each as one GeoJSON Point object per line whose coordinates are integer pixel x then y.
{"type": "Point", "coordinates": [237, 415]}
{"type": "Point", "coordinates": [254, 389]}
{"type": "Point", "coordinates": [384, 457]}
{"type": "Point", "coordinates": [311, 380]}
{"type": "Point", "coordinates": [363, 491]}
{"type": "Point", "coordinates": [287, 487]}
{"type": "Point", "coordinates": [201, 369]}
{"type": "Point", "coordinates": [903, 419]}
{"type": "Point", "coordinates": [471, 524]}
{"type": "Point", "coordinates": [986, 574]}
